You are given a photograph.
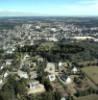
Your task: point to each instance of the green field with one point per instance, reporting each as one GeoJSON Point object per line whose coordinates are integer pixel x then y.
{"type": "Point", "coordinates": [92, 73]}
{"type": "Point", "coordinates": [89, 97]}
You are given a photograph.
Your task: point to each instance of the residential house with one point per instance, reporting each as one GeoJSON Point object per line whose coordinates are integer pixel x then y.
{"type": "Point", "coordinates": [35, 87]}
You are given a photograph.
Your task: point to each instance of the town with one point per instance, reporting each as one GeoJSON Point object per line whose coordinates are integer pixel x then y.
{"type": "Point", "coordinates": [48, 58]}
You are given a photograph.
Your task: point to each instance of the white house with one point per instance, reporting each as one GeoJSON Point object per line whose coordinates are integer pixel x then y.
{"type": "Point", "coordinates": [35, 87]}
{"type": "Point", "coordinates": [26, 56]}
{"type": "Point", "coordinates": [37, 27]}
{"type": "Point", "coordinates": [60, 64]}
{"type": "Point", "coordinates": [63, 98]}
{"type": "Point", "coordinates": [1, 67]}
{"type": "Point", "coordinates": [6, 74]}
{"type": "Point", "coordinates": [8, 62]}
{"type": "Point", "coordinates": [22, 74]}
{"type": "Point", "coordinates": [53, 29]}
{"type": "Point", "coordinates": [74, 70]}
{"type": "Point", "coordinates": [52, 77]}
{"type": "Point", "coordinates": [68, 81]}
{"type": "Point", "coordinates": [50, 68]}
{"type": "Point", "coordinates": [33, 75]}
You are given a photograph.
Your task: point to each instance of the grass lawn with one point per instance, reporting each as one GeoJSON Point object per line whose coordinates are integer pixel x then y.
{"type": "Point", "coordinates": [89, 97]}
{"type": "Point", "coordinates": [92, 72]}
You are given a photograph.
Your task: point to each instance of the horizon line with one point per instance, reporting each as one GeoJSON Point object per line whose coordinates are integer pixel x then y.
{"type": "Point", "coordinates": [50, 16]}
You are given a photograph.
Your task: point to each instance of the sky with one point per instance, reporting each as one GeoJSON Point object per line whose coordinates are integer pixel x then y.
{"type": "Point", "coordinates": [48, 7]}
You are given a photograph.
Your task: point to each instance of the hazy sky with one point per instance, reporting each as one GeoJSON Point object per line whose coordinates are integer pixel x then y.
{"type": "Point", "coordinates": [49, 7]}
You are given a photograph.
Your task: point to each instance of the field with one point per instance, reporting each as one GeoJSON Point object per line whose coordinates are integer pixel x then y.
{"type": "Point", "coordinates": [92, 73]}
{"type": "Point", "coordinates": [89, 97]}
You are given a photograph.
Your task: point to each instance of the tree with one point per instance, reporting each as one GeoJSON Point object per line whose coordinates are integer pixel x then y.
{"type": "Point", "coordinates": [21, 87]}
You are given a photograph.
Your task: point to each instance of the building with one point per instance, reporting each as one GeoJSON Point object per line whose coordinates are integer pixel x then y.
{"type": "Point", "coordinates": [68, 81]}
{"type": "Point", "coordinates": [63, 98]}
{"type": "Point", "coordinates": [50, 68]}
{"type": "Point", "coordinates": [62, 66]}
{"type": "Point", "coordinates": [52, 77]}
{"type": "Point", "coordinates": [2, 67]}
{"type": "Point", "coordinates": [35, 87]}
{"type": "Point", "coordinates": [22, 74]}
{"type": "Point", "coordinates": [8, 62]}
{"type": "Point", "coordinates": [33, 75]}
{"type": "Point", "coordinates": [74, 70]}
{"type": "Point", "coordinates": [6, 74]}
